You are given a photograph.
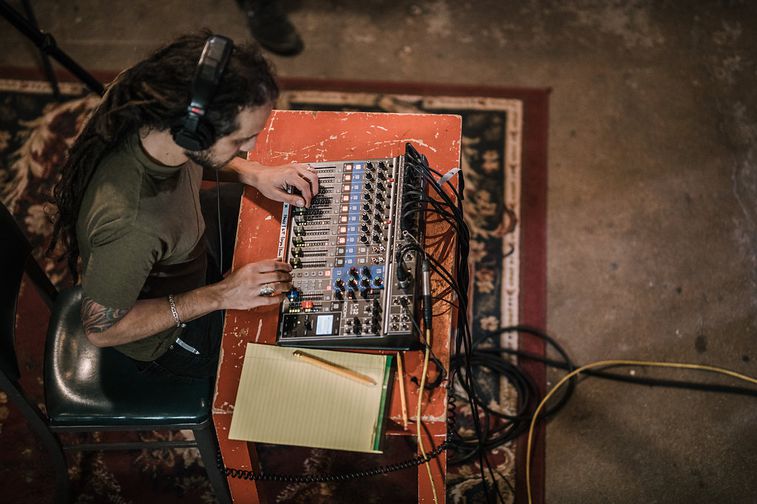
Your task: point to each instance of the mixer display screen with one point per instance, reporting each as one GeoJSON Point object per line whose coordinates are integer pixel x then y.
{"type": "Point", "coordinates": [353, 256]}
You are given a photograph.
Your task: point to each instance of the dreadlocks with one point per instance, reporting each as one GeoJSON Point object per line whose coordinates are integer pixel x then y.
{"type": "Point", "coordinates": [154, 94]}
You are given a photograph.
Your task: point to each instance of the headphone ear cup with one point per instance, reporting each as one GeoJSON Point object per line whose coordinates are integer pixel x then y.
{"type": "Point", "coordinates": [205, 135]}
{"type": "Point", "coordinates": [198, 138]}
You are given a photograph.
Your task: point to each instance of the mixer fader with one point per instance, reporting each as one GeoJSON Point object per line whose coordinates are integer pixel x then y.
{"type": "Point", "coordinates": [353, 256]}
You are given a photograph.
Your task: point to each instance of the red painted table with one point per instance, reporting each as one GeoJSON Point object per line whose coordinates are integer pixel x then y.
{"type": "Point", "coordinates": [304, 136]}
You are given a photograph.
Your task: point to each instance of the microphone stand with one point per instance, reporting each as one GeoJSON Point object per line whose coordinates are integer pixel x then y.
{"type": "Point", "coordinates": [47, 45]}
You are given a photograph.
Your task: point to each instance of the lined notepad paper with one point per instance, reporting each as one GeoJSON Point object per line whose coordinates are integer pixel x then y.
{"type": "Point", "coordinates": [283, 400]}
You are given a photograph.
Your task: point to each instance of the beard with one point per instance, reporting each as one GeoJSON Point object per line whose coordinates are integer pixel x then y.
{"type": "Point", "coordinates": [205, 159]}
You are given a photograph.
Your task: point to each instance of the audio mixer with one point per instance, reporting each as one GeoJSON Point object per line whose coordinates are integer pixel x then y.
{"type": "Point", "coordinates": [355, 257]}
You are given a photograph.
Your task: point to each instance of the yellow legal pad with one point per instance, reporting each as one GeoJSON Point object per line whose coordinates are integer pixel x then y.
{"type": "Point", "coordinates": [284, 400]}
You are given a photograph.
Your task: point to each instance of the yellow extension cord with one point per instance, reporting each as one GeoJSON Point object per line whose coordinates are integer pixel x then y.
{"type": "Point", "coordinates": [418, 422]}
{"type": "Point", "coordinates": [605, 363]}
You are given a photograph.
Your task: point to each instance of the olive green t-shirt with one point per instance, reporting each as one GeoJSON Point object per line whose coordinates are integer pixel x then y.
{"type": "Point", "coordinates": [140, 234]}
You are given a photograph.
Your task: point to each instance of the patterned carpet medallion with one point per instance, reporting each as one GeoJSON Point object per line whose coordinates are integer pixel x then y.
{"type": "Point", "coordinates": [35, 131]}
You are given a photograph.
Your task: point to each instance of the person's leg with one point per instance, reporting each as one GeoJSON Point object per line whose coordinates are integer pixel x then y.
{"type": "Point", "coordinates": [271, 27]}
{"type": "Point", "coordinates": [196, 354]}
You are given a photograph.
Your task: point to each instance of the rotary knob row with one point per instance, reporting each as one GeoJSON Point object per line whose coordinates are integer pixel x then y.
{"type": "Point", "coordinates": [355, 282]}
{"type": "Point", "coordinates": [357, 326]}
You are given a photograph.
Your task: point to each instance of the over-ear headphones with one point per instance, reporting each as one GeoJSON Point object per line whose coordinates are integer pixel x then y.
{"type": "Point", "coordinates": [195, 132]}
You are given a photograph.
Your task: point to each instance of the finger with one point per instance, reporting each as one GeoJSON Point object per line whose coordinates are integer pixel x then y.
{"type": "Point", "coordinates": [303, 186]}
{"type": "Point", "coordinates": [271, 265]}
{"type": "Point", "coordinates": [272, 278]}
{"type": "Point", "coordinates": [283, 287]}
{"type": "Point", "coordinates": [272, 300]}
{"type": "Point", "coordinates": [292, 199]}
{"type": "Point", "coordinates": [312, 176]}
{"type": "Point", "coordinates": [279, 265]}
{"type": "Point", "coordinates": [274, 289]}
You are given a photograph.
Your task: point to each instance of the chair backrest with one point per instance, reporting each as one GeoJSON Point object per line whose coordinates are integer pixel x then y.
{"type": "Point", "coordinates": [15, 259]}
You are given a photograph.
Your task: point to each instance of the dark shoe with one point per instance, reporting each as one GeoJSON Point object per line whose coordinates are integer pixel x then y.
{"type": "Point", "coordinates": [271, 27]}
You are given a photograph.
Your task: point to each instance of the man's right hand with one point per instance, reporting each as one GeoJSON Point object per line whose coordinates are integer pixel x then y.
{"type": "Point", "coordinates": [241, 290]}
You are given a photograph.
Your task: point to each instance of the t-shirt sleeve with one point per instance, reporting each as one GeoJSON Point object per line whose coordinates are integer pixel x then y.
{"type": "Point", "coordinates": [118, 267]}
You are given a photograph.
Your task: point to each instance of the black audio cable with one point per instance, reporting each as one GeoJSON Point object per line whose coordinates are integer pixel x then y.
{"type": "Point", "coordinates": [452, 212]}
{"type": "Point", "coordinates": [636, 380]}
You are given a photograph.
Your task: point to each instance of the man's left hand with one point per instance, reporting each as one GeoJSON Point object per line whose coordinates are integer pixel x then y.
{"type": "Point", "coordinates": [273, 181]}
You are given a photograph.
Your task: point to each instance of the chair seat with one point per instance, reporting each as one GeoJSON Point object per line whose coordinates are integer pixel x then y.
{"type": "Point", "coordinates": [87, 386]}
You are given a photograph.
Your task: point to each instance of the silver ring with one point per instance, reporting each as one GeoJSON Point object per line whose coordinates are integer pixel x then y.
{"type": "Point", "coordinates": [267, 290]}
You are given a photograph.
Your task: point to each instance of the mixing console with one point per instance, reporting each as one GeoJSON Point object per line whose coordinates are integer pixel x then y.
{"type": "Point", "coordinates": [354, 257]}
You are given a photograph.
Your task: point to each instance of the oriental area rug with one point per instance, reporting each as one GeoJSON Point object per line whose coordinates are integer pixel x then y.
{"type": "Point", "coordinates": [504, 161]}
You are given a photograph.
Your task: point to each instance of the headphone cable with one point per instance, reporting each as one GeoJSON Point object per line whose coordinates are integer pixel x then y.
{"type": "Point", "coordinates": [220, 231]}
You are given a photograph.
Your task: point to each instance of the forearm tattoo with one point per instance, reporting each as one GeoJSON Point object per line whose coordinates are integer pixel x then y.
{"type": "Point", "coordinates": [97, 318]}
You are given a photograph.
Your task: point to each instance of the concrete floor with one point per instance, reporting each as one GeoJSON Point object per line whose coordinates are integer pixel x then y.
{"type": "Point", "coordinates": [652, 223]}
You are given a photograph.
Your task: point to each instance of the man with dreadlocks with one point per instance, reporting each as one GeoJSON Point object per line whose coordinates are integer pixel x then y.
{"type": "Point", "coordinates": [140, 231]}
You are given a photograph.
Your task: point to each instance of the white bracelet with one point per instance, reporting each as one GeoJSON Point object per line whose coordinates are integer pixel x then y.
{"type": "Point", "coordinates": [175, 312]}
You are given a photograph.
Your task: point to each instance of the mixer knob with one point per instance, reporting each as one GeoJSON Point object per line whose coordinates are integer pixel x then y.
{"type": "Point", "coordinates": [367, 207]}
{"type": "Point", "coordinates": [365, 283]}
{"type": "Point", "coordinates": [382, 165]}
{"type": "Point", "coordinates": [352, 283]}
{"type": "Point", "coordinates": [380, 186]}
{"type": "Point", "coordinates": [366, 271]}
{"type": "Point", "coordinates": [364, 238]}
{"type": "Point", "coordinates": [367, 196]}
{"type": "Point", "coordinates": [382, 175]}
{"type": "Point", "coordinates": [369, 166]}
{"type": "Point", "coordinates": [380, 197]}
{"type": "Point", "coordinates": [353, 272]}
{"type": "Point", "coordinates": [364, 227]}
{"type": "Point", "coordinates": [368, 176]}
{"type": "Point", "coordinates": [378, 281]}
{"type": "Point", "coordinates": [366, 216]}
{"type": "Point", "coordinates": [351, 294]}
{"type": "Point", "coordinates": [377, 238]}
{"type": "Point", "coordinates": [377, 227]}
{"type": "Point", "coordinates": [339, 284]}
